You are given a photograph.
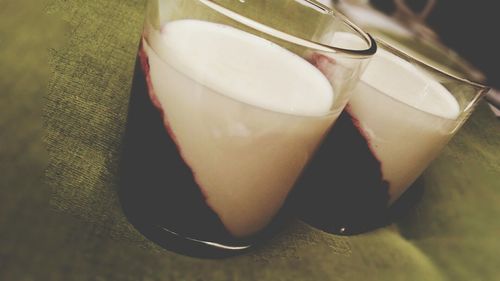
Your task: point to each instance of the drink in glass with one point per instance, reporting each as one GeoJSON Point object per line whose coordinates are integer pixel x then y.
{"type": "Point", "coordinates": [227, 108]}
{"type": "Point", "coordinates": [400, 116]}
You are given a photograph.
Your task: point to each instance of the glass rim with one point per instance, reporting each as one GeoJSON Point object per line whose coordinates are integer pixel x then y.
{"type": "Point", "coordinates": [443, 72]}
{"type": "Point", "coordinates": [480, 89]}
{"type": "Point", "coordinates": [310, 44]}
{"type": "Point", "coordinates": [327, 114]}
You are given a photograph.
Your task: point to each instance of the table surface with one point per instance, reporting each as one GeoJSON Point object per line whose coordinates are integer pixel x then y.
{"type": "Point", "coordinates": [70, 226]}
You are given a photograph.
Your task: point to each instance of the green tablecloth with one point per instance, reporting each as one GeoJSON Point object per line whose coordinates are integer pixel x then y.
{"type": "Point", "coordinates": [451, 234]}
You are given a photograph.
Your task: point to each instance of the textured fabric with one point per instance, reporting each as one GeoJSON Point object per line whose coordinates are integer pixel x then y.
{"type": "Point", "coordinates": [451, 233]}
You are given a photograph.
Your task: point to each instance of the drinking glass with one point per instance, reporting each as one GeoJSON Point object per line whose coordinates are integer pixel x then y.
{"type": "Point", "coordinates": [400, 116]}
{"type": "Point", "coordinates": [229, 102]}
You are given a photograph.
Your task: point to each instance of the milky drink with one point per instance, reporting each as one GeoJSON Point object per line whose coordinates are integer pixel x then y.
{"type": "Point", "coordinates": [396, 122]}
{"type": "Point", "coordinates": [240, 117]}
{"type": "Point", "coordinates": [406, 116]}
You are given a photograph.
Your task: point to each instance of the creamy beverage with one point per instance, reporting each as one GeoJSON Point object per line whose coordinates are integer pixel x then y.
{"type": "Point", "coordinates": [222, 132]}
{"type": "Point", "coordinates": [395, 124]}
{"type": "Point", "coordinates": [406, 116]}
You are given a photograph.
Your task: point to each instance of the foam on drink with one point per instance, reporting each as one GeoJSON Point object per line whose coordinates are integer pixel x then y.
{"type": "Point", "coordinates": [402, 81]}
{"type": "Point", "coordinates": [245, 114]}
{"type": "Point", "coordinates": [245, 67]}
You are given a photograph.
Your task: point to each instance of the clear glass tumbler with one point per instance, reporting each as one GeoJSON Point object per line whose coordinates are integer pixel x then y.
{"type": "Point", "coordinates": [400, 116]}
{"type": "Point", "coordinates": [230, 101]}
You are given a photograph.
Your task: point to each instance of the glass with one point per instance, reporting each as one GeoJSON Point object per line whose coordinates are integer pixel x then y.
{"type": "Point", "coordinates": [408, 31]}
{"type": "Point", "coordinates": [400, 116]}
{"type": "Point", "coordinates": [229, 102]}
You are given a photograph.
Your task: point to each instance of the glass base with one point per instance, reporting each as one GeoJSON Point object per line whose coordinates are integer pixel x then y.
{"type": "Point", "coordinates": [178, 243]}
{"type": "Point", "coordinates": [186, 236]}
{"type": "Point", "coordinates": [344, 217]}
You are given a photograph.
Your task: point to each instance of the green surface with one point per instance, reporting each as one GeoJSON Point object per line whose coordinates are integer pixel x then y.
{"type": "Point", "coordinates": [451, 234]}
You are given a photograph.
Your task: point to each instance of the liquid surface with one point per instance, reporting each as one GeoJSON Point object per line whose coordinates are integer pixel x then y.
{"type": "Point", "coordinates": [402, 81]}
{"type": "Point", "coordinates": [245, 67]}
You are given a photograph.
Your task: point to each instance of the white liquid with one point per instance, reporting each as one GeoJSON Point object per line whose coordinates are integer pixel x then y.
{"type": "Point", "coordinates": [406, 116]}
{"type": "Point", "coordinates": [246, 115]}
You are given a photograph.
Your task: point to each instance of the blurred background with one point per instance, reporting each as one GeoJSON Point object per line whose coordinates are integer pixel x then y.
{"type": "Point", "coordinates": [467, 27]}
